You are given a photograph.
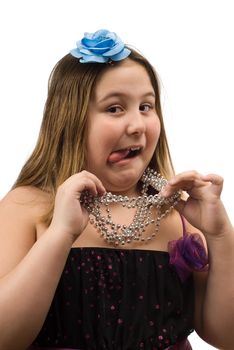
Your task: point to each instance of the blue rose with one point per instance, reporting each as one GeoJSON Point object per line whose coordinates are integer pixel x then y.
{"type": "Point", "coordinates": [101, 46]}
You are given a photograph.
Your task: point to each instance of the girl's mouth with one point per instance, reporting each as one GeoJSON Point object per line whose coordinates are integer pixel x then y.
{"type": "Point", "coordinates": [126, 153]}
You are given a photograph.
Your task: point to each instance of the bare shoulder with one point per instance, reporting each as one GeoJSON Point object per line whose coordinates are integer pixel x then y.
{"type": "Point", "coordinates": [26, 195]}
{"type": "Point", "coordinates": [20, 211]}
{"type": "Point", "coordinates": [23, 204]}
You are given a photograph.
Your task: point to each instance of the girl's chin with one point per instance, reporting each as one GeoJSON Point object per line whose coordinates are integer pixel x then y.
{"type": "Point", "coordinates": [122, 184]}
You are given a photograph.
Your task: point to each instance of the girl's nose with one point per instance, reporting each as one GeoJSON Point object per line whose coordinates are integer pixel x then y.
{"type": "Point", "coordinates": [136, 123]}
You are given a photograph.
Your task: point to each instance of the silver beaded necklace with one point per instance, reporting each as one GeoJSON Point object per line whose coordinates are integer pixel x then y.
{"type": "Point", "coordinates": [118, 234]}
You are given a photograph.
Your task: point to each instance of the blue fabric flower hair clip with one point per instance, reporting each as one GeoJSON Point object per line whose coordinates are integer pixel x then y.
{"type": "Point", "coordinates": [102, 46]}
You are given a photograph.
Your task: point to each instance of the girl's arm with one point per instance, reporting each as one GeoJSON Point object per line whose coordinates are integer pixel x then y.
{"type": "Point", "coordinates": [214, 313]}
{"type": "Point", "coordinates": [29, 271]}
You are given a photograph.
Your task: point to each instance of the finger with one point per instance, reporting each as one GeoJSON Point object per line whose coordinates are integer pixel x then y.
{"type": "Point", "coordinates": [216, 182]}
{"type": "Point", "coordinates": [87, 185]}
{"type": "Point", "coordinates": [185, 181]}
{"type": "Point", "coordinates": [186, 186]}
{"type": "Point", "coordinates": [187, 176]}
{"type": "Point", "coordinates": [214, 179]}
{"type": "Point", "coordinates": [99, 186]}
{"type": "Point", "coordinates": [86, 181]}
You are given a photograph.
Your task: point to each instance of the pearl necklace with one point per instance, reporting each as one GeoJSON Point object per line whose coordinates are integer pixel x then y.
{"type": "Point", "coordinates": [116, 234]}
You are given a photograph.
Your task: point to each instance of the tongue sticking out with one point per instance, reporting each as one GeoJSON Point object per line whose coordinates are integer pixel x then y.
{"type": "Point", "coordinates": [116, 156]}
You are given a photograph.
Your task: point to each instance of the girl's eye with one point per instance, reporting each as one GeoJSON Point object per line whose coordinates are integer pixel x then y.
{"type": "Point", "coordinates": [145, 107]}
{"type": "Point", "coordinates": [114, 109]}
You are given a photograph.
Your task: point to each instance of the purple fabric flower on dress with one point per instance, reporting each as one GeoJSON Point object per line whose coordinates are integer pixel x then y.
{"type": "Point", "coordinates": [188, 254]}
{"type": "Point", "coordinates": [101, 46]}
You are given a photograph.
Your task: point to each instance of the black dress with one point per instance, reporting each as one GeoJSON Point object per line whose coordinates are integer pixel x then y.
{"type": "Point", "coordinates": [119, 299]}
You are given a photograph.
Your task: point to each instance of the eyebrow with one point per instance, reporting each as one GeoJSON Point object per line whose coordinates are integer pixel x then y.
{"type": "Point", "coordinates": [119, 94]}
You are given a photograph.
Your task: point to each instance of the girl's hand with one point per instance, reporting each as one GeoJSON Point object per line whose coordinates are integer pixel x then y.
{"type": "Point", "coordinates": [203, 207]}
{"type": "Point", "coordinates": [70, 217]}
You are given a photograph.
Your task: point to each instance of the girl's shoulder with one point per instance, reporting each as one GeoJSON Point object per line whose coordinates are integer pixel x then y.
{"type": "Point", "coordinates": [25, 204]}
{"type": "Point", "coordinates": [27, 198]}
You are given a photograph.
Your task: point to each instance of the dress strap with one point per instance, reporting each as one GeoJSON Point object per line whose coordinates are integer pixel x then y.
{"type": "Point", "coordinates": [183, 224]}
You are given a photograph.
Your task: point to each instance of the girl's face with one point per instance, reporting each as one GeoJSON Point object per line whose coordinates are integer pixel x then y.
{"type": "Point", "coordinates": [123, 127]}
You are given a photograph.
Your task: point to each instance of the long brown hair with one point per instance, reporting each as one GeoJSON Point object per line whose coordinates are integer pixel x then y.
{"type": "Point", "coordinates": [60, 149]}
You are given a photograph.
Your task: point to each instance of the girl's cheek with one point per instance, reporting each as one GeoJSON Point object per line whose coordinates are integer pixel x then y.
{"type": "Point", "coordinates": [154, 129]}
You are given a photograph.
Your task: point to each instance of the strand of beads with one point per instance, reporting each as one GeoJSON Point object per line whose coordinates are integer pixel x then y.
{"type": "Point", "coordinates": [115, 233]}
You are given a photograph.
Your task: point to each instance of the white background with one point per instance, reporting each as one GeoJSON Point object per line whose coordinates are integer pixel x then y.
{"type": "Point", "coordinates": [190, 42]}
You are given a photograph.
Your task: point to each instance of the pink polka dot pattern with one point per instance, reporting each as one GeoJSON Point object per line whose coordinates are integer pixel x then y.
{"type": "Point", "coordinates": [118, 299]}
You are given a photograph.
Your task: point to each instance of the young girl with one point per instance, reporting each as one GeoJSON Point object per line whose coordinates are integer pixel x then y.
{"type": "Point", "coordinates": [99, 251]}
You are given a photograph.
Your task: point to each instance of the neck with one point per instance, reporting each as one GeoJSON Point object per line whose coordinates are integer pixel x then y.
{"type": "Point", "coordinates": [132, 192]}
